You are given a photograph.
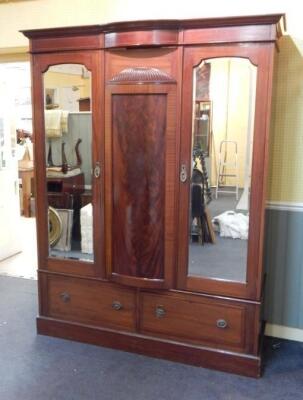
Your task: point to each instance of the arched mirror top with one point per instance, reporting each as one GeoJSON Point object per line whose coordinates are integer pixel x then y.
{"type": "Point", "coordinates": [69, 67]}
{"type": "Point", "coordinates": [239, 59]}
{"type": "Point", "coordinates": [70, 83]}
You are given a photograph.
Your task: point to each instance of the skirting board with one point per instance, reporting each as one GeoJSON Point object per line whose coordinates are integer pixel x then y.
{"type": "Point", "coordinates": [242, 364]}
{"type": "Point", "coordinates": [284, 332]}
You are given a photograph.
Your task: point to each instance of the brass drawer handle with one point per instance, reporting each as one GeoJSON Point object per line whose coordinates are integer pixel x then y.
{"type": "Point", "coordinates": [65, 297]}
{"type": "Point", "coordinates": [222, 324]}
{"type": "Point", "coordinates": [116, 305]}
{"type": "Point", "coordinates": [160, 311]}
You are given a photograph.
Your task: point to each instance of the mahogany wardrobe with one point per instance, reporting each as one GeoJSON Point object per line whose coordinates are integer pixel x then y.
{"type": "Point", "coordinates": [151, 149]}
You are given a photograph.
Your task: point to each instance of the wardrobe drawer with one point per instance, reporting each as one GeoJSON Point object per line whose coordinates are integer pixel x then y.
{"type": "Point", "coordinates": [205, 321]}
{"type": "Point", "coordinates": [91, 302]}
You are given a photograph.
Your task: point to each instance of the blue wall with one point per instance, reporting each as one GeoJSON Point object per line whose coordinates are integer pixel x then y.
{"type": "Point", "coordinates": [284, 268]}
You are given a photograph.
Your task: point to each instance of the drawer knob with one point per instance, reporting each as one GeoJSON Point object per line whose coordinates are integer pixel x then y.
{"type": "Point", "coordinates": [221, 323]}
{"type": "Point", "coordinates": [183, 173]}
{"type": "Point", "coordinates": [160, 312]}
{"type": "Point", "coordinates": [116, 305]}
{"type": "Point", "coordinates": [65, 297]}
{"type": "Point", "coordinates": [97, 170]}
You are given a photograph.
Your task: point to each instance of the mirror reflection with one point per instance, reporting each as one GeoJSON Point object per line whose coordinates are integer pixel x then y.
{"type": "Point", "coordinates": [68, 141]}
{"type": "Point", "coordinates": [224, 92]}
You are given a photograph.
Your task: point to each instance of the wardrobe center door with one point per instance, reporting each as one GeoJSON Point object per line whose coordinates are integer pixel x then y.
{"type": "Point", "coordinates": [140, 151]}
{"type": "Point", "coordinates": [69, 178]}
{"type": "Point", "coordinates": [222, 151]}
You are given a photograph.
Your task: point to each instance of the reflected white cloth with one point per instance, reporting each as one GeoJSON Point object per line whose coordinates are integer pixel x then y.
{"type": "Point", "coordinates": [56, 122]}
{"type": "Point", "coordinates": [64, 121]}
{"type": "Point", "coordinates": [86, 221]}
{"type": "Point", "coordinates": [231, 224]}
{"type": "Point", "coordinates": [53, 123]}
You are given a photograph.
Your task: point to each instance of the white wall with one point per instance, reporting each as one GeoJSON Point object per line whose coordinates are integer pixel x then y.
{"type": "Point", "coordinates": [31, 14]}
{"type": "Point", "coordinates": [9, 199]}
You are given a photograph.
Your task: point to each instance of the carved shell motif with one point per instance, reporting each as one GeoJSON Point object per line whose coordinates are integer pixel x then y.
{"type": "Point", "coordinates": [142, 75]}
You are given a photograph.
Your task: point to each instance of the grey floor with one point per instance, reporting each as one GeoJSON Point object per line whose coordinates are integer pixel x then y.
{"type": "Point", "coordinates": [224, 202]}
{"type": "Point", "coordinates": [72, 255]}
{"type": "Point", "coordinates": [34, 367]}
{"type": "Point", "coordinates": [226, 259]}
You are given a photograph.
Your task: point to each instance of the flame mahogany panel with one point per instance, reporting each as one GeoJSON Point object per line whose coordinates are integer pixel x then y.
{"type": "Point", "coordinates": [139, 125]}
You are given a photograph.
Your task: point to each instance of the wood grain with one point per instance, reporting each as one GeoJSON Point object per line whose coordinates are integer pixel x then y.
{"type": "Point", "coordinates": [90, 302]}
{"type": "Point", "coordinates": [55, 44]}
{"type": "Point", "coordinates": [139, 125]}
{"type": "Point", "coordinates": [136, 38]}
{"type": "Point", "coordinates": [157, 31]}
{"type": "Point", "coordinates": [230, 34]}
{"type": "Point", "coordinates": [199, 356]}
{"type": "Point", "coordinates": [194, 319]}
{"type": "Point", "coordinates": [168, 196]}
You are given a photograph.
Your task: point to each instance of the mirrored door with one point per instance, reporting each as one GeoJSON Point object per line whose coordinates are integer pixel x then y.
{"type": "Point", "coordinates": [218, 128]}
{"type": "Point", "coordinates": [68, 146]}
{"type": "Point", "coordinates": [221, 151]}
{"type": "Point", "coordinates": [69, 159]}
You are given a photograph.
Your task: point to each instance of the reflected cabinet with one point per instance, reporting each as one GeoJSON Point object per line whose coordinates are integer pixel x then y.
{"type": "Point", "coordinates": [150, 198]}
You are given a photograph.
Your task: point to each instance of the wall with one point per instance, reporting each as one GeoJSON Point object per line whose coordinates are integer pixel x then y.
{"type": "Point", "coordinates": [10, 239]}
{"type": "Point", "coordinates": [32, 14]}
{"type": "Point", "coordinates": [231, 82]}
{"type": "Point", "coordinates": [60, 80]}
{"type": "Point", "coordinates": [283, 248]}
{"type": "Point", "coordinates": [286, 146]}
{"type": "Point", "coordinates": [44, 13]}
{"type": "Point", "coordinates": [283, 263]}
